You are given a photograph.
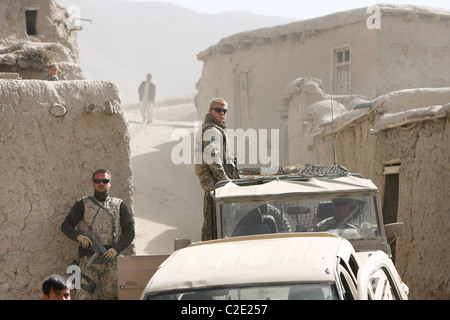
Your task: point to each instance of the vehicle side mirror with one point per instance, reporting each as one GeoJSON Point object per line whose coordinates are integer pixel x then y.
{"type": "Point", "coordinates": [394, 230]}
{"type": "Point", "coordinates": [181, 243]}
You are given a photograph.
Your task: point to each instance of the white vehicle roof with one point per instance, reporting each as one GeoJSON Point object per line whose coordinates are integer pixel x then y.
{"type": "Point", "coordinates": [286, 187]}
{"type": "Point", "coordinates": [261, 259]}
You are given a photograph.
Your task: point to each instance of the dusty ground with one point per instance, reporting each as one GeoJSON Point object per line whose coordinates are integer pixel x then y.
{"type": "Point", "coordinates": [168, 200]}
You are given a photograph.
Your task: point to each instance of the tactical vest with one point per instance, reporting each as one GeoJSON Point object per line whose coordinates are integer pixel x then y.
{"type": "Point", "coordinates": [200, 143]}
{"type": "Point", "coordinates": [202, 169]}
{"type": "Point", "coordinates": [225, 145]}
{"type": "Point", "coordinates": [102, 218]}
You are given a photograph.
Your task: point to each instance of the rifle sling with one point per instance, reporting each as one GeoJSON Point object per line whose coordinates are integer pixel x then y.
{"type": "Point", "coordinates": [101, 206]}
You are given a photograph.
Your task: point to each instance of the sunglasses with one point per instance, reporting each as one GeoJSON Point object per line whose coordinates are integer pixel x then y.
{"type": "Point", "coordinates": [105, 181]}
{"type": "Point", "coordinates": [343, 203]}
{"type": "Point", "coordinates": [219, 110]}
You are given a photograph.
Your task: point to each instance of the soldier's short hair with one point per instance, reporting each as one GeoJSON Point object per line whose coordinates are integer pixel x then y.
{"type": "Point", "coordinates": [220, 101]}
{"type": "Point", "coordinates": [101, 170]}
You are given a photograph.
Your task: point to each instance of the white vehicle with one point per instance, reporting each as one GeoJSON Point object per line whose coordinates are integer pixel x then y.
{"type": "Point", "coordinates": [280, 209]}
{"type": "Point", "coordinates": [309, 201]}
{"type": "Point", "coordinates": [296, 266]}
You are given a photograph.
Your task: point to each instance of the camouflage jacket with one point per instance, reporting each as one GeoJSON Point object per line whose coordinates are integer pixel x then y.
{"type": "Point", "coordinates": [213, 147]}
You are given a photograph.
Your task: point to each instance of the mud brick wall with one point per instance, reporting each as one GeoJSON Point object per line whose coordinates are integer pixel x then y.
{"type": "Point", "coordinates": [50, 143]}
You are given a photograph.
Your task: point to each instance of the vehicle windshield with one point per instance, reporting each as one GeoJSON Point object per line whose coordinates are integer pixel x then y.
{"type": "Point", "coordinates": [299, 291]}
{"type": "Point", "coordinates": [351, 217]}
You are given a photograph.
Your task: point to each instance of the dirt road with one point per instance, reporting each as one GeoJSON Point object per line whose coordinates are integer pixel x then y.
{"type": "Point", "coordinates": [168, 200]}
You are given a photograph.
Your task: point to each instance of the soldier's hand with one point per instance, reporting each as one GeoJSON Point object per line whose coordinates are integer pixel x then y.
{"type": "Point", "coordinates": [110, 254]}
{"type": "Point", "coordinates": [85, 241]}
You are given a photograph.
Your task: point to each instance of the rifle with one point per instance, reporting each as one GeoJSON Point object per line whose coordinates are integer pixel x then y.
{"type": "Point", "coordinates": [231, 169]}
{"type": "Point", "coordinates": [98, 247]}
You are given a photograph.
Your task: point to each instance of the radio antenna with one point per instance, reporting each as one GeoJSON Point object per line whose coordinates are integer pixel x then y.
{"type": "Point", "coordinates": [332, 128]}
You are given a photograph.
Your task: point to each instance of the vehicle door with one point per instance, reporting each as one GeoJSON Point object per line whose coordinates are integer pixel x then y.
{"type": "Point", "coordinates": [134, 272]}
{"type": "Point", "coordinates": [378, 279]}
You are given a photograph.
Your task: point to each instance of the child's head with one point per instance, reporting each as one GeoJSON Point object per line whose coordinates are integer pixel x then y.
{"type": "Point", "coordinates": [55, 288]}
{"type": "Point", "coordinates": [52, 70]}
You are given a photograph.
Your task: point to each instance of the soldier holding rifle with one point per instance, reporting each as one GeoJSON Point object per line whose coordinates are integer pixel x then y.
{"type": "Point", "coordinates": [103, 226]}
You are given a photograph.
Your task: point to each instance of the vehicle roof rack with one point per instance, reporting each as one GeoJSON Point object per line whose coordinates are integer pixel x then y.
{"type": "Point", "coordinates": [305, 173]}
{"type": "Point", "coordinates": [318, 170]}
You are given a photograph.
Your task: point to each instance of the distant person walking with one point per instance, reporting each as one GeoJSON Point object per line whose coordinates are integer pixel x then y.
{"type": "Point", "coordinates": [147, 92]}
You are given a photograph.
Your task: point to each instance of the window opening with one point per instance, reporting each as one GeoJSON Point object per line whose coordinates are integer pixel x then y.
{"type": "Point", "coordinates": [30, 19]}
{"type": "Point", "coordinates": [245, 97]}
{"type": "Point", "coordinates": [342, 71]}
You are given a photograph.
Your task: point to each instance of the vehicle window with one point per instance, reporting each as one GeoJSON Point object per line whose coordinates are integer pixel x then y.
{"type": "Point", "coordinates": [302, 291]}
{"type": "Point", "coordinates": [350, 217]}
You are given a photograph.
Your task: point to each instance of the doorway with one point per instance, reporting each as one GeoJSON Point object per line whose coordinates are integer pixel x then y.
{"type": "Point", "coordinates": [391, 196]}
{"type": "Point", "coordinates": [30, 20]}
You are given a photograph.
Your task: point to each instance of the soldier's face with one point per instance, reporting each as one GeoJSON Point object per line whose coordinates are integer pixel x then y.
{"type": "Point", "coordinates": [219, 115]}
{"type": "Point", "coordinates": [341, 209]}
{"type": "Point", "coordinates": [101, 182]}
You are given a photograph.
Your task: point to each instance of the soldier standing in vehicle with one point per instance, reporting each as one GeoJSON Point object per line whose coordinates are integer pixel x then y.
{"type": "Point", "coordinates": [110, 220]}
{"type": "Point", "coordinates": [216, 162]}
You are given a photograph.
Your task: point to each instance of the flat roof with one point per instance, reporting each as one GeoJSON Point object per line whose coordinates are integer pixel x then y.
{"type": "Point", "coordinates": [312, 27]}
{"type": "Point", "coordinates": [274, 258]}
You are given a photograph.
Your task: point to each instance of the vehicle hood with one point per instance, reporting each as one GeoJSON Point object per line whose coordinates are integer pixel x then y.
{"type": "Point", "coordinates": [281, 258]}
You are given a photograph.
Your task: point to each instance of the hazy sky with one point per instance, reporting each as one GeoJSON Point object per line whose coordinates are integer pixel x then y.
{"type": "Point", "coordinates": [299, 9]}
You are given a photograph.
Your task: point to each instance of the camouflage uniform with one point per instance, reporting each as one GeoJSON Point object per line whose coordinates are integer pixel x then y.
{"type": "Point", "coordinates": [111, 221]}
{"type": "Point", "coordinates": [213, 147]}
{"type": "Point", "coordinates": [104, 221]}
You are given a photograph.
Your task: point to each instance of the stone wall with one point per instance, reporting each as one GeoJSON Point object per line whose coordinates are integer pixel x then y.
{"type": "Point", "coordinates": [49, 148]}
